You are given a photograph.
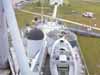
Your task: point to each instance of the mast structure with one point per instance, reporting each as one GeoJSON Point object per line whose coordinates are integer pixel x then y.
{"type": "Point", "coordinates": [3, 39]}
{"type": "Point", "coordinates": [16, 38]}
{"type": "Point", "coordinates": [56, 4]}
{"type": "Point", "coordinates": [55, 11]}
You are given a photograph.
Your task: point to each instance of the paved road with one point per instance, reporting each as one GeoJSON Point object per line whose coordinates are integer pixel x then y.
{"type": "Point", "coordinates": [68, 21]}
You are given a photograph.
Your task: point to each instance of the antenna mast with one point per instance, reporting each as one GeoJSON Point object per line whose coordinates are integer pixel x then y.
{"type": "Point", "coordinates": [16, 38]}
{"type": "Point", "coordinates": [3, 39]}
{"type": "Point", "coordinates": [42, 8]}
{"type": "Point", "coordinates": [56, 4]}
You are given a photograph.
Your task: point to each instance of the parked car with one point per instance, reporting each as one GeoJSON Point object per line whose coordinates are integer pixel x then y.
{"type": "Point", "coordinates": [88, 14]}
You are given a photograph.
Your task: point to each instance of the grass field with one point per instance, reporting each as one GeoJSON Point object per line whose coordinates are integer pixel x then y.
{"type": "Point", "coordinates": [73, 11]}
{"type": "Point", "coordinates": [91, 50]}
{"type": "Point", "coordinates": [90, 46]}
{"type": "Point", "coordinates": [23, 18]}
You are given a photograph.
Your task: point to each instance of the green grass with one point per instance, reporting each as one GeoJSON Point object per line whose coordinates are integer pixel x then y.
{"type": "Point", "coordinates": [23, 18]}
{"type": "Point", "coordinates": [79, 6]}
{"type": "Point", "coordinates": [91, 50]}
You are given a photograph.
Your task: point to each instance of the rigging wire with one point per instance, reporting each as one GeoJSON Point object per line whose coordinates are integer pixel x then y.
{"type": "Point", "coordinates": [42, 9]}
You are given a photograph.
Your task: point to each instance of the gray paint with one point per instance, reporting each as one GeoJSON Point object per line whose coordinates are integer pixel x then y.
{"type": "Point", "coordinates": [35, 34]}
{"type": "Point", "coordinates": [3, 39]}
{"type": "Point", "coordinates": [16, 38]}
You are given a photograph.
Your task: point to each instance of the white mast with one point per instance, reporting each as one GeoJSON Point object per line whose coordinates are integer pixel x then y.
{"type": "Point", "coordinates": [55, 11]}
{"type": "Point", "coordinates": [56, 3]}
{"type": "Point", "coordinates": [3, 39]}
{"type": "Point", "coordinates": [16, 38]}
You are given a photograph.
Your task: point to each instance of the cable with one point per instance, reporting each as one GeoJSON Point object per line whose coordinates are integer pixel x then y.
{"type": "Point", "coordinates": [42, 9]}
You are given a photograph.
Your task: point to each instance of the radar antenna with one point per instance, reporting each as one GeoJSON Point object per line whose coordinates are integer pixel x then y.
{"type": "Point", "coordinates": [56, 4]}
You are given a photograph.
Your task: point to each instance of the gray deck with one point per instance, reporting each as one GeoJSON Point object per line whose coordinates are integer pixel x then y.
{"type": "Point", "coordinates": [5, 72]}
{"type": "Point", "coordinates": [46, 69]}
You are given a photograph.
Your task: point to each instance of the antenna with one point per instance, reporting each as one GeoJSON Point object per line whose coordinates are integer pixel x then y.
{"type": "Point", "coordinates": [42, 9]}
{"type": "Point", "coordinates": [56, 3]}
{"type": "Point", "coordinates": [55, 11]}
{"type": "Point", "coordinates": [17, 41]}
{"type": "Point", "coordinates": [53, 2]}
{"type": "Point", "coordinates": [4, 48]}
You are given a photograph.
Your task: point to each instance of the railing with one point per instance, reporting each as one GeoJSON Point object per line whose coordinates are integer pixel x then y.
{"type": "Point", "coordinates": [73, 26]}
